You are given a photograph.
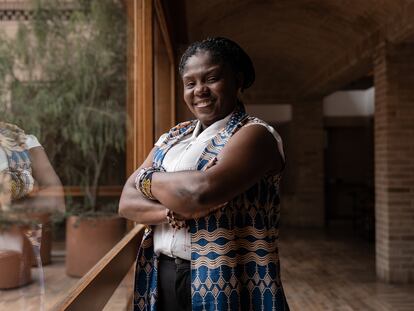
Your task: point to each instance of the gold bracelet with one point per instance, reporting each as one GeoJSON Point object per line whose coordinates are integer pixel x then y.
{"type": "Point", "coordinates": [143, 181]}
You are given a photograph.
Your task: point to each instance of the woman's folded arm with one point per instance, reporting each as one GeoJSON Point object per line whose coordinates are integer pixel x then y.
{"type": "Point", "coordinates": [248, 156]}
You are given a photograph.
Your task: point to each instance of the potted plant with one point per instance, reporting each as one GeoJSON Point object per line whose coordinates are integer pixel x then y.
{"type": "Point", "coordinates": [68, 86]}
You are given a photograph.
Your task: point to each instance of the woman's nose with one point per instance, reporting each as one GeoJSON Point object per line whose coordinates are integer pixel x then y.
{"type": "Point", "coordinates": [201, 89]}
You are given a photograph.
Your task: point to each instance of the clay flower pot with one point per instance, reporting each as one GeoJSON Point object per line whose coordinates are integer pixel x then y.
{"type": "Point", "coordinates": [89, 239]}
{"type": "Point", "coordinates": [15, 258]}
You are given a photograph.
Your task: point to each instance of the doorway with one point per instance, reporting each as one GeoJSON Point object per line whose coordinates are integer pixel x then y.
{"type": "Point", "coordinates": [349, 175]}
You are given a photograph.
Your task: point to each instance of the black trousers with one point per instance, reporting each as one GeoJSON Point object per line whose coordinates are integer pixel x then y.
{"type": "Point", "coordinates": [174, 284]}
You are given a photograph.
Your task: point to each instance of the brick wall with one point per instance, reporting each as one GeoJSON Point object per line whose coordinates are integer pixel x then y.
{"type": "Point", "coordinates": [304, 206]}
{"type": "Point", "coordinates": [394, 162]}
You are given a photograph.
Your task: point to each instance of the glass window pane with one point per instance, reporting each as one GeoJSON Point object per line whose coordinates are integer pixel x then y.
{"type": "Point", "coordinates": [62, 144]}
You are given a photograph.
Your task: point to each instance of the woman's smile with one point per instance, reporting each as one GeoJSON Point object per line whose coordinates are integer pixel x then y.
{"type": "Point", "coordinates": [204, 103]}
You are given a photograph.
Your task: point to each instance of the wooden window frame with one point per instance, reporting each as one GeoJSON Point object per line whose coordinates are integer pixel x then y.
{"type": "Point", "coordinates": [140, 86]}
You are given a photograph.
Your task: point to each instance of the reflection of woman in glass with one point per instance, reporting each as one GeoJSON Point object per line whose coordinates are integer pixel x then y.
{"type": "Point", "coordinates": [34, 183]}
{"type": "Point", "coordinates": [28, 183]}
{"type": "Point", "coordinates": [219, 177]}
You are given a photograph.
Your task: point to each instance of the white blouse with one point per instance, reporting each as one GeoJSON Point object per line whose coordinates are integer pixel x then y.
{"type": "Point", "coordinates": [31, 142]}
{"type": "Point", "coordinates": [183, 156]}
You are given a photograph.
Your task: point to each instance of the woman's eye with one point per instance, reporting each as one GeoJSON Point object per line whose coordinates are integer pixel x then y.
{"type": "Point", "coordinates": [189, 85]}
{"type": "Point", "coordinates": [212, 79]}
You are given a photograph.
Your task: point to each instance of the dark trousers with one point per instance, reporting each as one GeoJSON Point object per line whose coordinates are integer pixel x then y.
{"type": "Point", "coordinates": [174, 284]}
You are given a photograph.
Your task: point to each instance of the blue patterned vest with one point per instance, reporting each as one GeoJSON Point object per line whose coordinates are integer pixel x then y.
{"type": "Point", "coordinates": [234, 254]}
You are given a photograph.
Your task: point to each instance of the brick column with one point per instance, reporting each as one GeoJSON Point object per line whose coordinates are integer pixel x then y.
{"type": "Point", "coordinates": [394, 162]}
{"type": "Point", "coordinates": [304, 206]}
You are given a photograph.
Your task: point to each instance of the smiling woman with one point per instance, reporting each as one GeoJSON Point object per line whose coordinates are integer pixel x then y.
{"type": "Point", "coordinates": [210, 89]}
{"type": "Point", "coordinates": [210, 191]}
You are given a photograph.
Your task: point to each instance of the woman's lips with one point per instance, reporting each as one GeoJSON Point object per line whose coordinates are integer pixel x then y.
{"type": "Point", "coordinates": [203, 103]}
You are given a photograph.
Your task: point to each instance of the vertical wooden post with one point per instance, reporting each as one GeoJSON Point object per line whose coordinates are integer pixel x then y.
{"type": "Point", "coordinates": [140, 82]}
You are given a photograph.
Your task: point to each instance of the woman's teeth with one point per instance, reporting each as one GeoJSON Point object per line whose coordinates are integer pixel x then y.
{"type": "Point", "coordinates": [203, 104]}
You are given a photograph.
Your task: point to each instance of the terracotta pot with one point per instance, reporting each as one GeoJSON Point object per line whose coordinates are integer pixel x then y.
{"type": "Point", "coordinates": [88, 240]}
{"type": "Point", "coordinates": [15, 258]}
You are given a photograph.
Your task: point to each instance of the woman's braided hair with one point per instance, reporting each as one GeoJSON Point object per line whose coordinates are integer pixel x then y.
{"type": "Point", "coordinates": [224, 51]}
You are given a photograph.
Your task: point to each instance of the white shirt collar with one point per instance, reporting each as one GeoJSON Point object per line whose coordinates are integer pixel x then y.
{"type": "Point", "coordinates": [212, 130]}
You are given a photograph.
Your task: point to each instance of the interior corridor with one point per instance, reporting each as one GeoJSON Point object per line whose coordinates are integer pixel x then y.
{"type": "Point", "coordinates": [335, 271]}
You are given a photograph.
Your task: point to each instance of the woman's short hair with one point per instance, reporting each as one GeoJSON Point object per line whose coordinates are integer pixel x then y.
{"type": "Point", "coordinates": [223, 50]}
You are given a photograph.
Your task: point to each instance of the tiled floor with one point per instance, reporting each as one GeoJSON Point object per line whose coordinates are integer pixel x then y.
{"type": "Point", "coordinates": [320, 272]}
{"type": "Point", "coordinates": [336, 272]}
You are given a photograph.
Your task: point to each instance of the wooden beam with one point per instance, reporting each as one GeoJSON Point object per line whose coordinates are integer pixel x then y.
{"type": "Point", "coordinates": [167, 71]}
{"type": "Point", "coordinates": [93, 291]}
{"type": "Point", "coordinates": [103, 191]}
{"type": "Point", "coordinates": [140, 82]}
{"type": "Point", "coordinates": [76, 191]}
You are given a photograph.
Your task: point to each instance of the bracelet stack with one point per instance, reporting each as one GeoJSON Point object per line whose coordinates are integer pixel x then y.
{"type": "Point", "coordinates": [21, 183]}
{"type": "Point", "coordinates": [174, 222]}
{"type": "Point", "coordinates": [143, 181]}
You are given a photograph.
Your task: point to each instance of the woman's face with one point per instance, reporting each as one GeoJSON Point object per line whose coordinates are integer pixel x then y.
{"type": "Point", "coordinates": [210, 89]}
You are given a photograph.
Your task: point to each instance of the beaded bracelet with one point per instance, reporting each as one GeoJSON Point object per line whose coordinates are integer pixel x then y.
{"type": "Point", "coordinates": [175, 222]}
{"type": "Point", "coordinates": [21, 183]}
{"type": "Point", "coordinates": [143, 181]}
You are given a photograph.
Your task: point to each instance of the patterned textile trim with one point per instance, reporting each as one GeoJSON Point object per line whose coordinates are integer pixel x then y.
{"type": "Point", "coordinates": [174, 136]}
{"type": "Point", "coordinates": [145, 287]}
{"type": "Point", "coordinates": [13, 142]}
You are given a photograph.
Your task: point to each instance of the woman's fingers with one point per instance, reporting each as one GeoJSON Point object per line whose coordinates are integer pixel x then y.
{"type": "Point", "coordinates": [211, 163]}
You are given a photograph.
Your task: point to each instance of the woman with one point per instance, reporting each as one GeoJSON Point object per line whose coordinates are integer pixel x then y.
{"type": "Point", "coordinates": [28, 184]}
{"type": "Point", "coordinates": [209, 188]}
{"type": "Point", "coordinates": [34, 184]}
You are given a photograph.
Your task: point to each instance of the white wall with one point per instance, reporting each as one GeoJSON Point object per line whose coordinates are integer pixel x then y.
{"type": "Point", "coordinates": [349, 103]}
{"type": "Point", "coordinates": [271, 113]}
{"type": "Point", "coordinates": [338, 104]}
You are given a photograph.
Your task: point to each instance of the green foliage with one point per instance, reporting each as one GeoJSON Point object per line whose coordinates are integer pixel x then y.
{"type": "Point", "coordinates": [66, 77]}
